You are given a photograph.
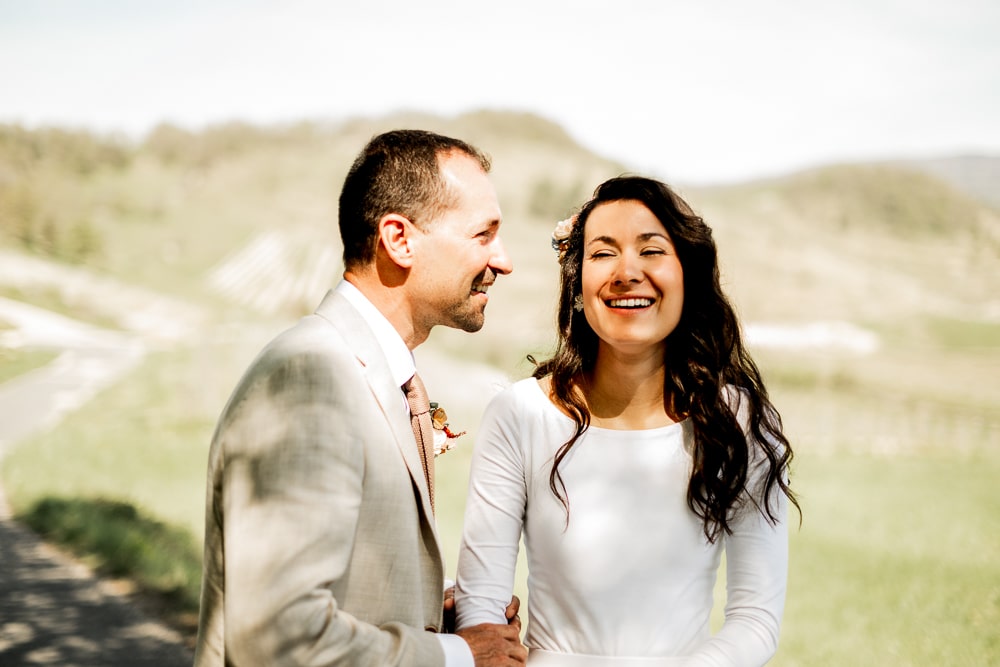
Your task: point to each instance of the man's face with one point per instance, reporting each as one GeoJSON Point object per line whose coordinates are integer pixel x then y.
{"type": "Point", "coordinates": [459, 253]}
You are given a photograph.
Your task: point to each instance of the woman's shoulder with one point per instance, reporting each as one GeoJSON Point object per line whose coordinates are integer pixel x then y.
{"type": "Point", "coordinates": [519, 396]}
{"type": "Point", "coordinates": [522, 417]}
{"type": "Point", "coordinates": [527, 402]}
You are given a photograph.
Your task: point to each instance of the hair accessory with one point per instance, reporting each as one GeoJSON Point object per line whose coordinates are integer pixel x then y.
{"type": "Point", "coordinates": [578, 303]}
{"type": "Point", "coordinates": [560, 235]}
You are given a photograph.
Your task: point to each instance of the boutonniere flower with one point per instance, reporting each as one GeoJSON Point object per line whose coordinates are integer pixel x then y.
{"type": "Point", "coordinates": [444, 437]}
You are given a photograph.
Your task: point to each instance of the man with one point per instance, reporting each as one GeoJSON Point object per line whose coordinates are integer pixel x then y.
{"type": "Point", "coordinates": [320, 541]}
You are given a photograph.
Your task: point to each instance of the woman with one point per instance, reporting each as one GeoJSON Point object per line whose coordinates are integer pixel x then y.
{"type": "Point", "coordinates": [643, 449]}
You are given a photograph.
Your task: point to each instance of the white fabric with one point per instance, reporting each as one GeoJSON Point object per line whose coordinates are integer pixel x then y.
{"type": "Point", "coordinates": [541, 658]}
{"type": "Point", "coordinates": [632, 574]}
{"type": "Point", "coordinates": [456, 652]}
{"type": "Point", "coordinates": [402, 367]}
{"type": "Point", "coordinates": [400, 358]}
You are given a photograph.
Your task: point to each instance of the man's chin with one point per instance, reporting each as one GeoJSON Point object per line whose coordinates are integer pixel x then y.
{"type": "Point", "coordinates": [470, 322]}
{"type": "Point", "coordinates": [472, 327]}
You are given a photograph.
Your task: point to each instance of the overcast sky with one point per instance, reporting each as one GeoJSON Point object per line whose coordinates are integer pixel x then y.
{"type": "Point", "coordinates": [694, 90]}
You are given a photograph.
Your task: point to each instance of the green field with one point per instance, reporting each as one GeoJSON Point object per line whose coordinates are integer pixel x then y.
{"type": "Point", "coordinates": [897, 560]}
{"type": "Point", "coordinates": [19, 361]}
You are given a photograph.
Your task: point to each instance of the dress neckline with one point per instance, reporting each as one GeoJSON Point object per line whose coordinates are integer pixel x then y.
{"type": "Point", "coordinates": [601, 429]}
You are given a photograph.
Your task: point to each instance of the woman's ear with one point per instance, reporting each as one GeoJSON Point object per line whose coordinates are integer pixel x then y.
{"type": "Point", "coordinates": [396, 237]}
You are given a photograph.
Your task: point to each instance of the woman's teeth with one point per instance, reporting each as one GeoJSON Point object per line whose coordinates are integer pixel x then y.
{"type": "Point", "coordinates": [629, 303]}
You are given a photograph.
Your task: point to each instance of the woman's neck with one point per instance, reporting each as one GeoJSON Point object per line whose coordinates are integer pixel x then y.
{"type": "Point", "coordinates": [626, 392]}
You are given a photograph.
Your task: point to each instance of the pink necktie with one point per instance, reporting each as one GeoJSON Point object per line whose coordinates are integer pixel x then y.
{"type": "Point", "coordinates": [423, 431]}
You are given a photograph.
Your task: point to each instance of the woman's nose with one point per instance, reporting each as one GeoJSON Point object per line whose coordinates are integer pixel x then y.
{"type": "Point", "coordinates": [627, 269]}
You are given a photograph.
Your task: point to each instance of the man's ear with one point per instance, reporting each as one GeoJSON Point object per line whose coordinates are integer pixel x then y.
{"type": "Point", "coordinates": [396, 237]}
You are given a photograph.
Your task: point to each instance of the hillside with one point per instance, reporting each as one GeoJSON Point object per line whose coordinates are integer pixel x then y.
{"type": "Point", "coordinates": [975, 175]}
{"type": "Point", "coordinates": [240, 220]}
{"type": "Point", "coordinates": [867, 243]}
{"type": "Point", "coordinates": [205, 244]}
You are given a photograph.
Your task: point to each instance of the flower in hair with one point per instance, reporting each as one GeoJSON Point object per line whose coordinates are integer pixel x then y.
{"type": "Point", "coordinates": [560, 235]}
{"type": "Point", "coordinates": [443, 436]}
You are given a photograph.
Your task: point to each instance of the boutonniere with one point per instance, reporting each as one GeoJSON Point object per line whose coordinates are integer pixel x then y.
{"type": "Point", "coordinates": [444, 437]}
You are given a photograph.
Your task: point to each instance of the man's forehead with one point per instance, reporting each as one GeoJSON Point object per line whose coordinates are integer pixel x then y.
{"type": "Point", "coordinates": [457, 167]}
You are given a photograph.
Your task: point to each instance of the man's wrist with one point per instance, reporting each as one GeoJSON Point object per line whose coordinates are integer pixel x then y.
{"type": "Point", "coordinates": [456, 652]}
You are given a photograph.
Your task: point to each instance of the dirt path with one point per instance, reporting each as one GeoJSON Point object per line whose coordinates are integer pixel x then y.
{"type": "Point", "coordinates": [53, 610]}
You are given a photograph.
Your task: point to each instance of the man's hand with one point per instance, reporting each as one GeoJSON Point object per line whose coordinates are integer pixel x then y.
{"type": "Point", "coordinates": [496, 645]}
{"type": "Point", "coordinates": [449, 611]}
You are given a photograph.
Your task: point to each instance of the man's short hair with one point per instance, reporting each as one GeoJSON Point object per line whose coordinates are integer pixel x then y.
{"type": "Point", "coordinates": [396, 172]}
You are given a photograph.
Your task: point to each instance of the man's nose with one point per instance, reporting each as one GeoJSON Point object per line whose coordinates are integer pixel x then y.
{"type": "Point", "coordinates": [500, 262]}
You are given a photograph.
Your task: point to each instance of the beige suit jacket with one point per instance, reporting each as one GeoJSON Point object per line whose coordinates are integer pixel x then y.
{"type": "Point", "coordinates": [320, 545]}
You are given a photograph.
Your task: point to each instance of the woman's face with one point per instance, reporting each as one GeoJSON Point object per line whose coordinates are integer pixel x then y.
{"type": "Point", "coordinates": [632, 281]}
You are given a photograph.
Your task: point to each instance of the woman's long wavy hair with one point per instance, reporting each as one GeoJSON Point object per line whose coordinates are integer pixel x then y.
{"type": "Point", "coordinates": [705, 354]}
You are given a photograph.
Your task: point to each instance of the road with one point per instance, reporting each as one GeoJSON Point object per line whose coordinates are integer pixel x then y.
{"type": "Point", "coordinates": [53, 610]}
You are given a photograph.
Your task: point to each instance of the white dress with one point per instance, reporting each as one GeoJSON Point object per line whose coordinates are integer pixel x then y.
{"type": "Point", "coordinates": [632, 574]}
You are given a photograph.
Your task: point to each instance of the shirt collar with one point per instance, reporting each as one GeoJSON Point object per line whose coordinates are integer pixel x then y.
{"type": "Point", "coordinates": [400, 358]}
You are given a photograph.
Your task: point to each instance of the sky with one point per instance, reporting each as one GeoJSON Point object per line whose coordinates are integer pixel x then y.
{"type": "Point", "coordinates": [699, 91]}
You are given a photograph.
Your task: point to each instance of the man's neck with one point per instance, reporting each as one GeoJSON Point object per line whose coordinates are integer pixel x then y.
{"type": "Point", "coordinates": [391, 301]}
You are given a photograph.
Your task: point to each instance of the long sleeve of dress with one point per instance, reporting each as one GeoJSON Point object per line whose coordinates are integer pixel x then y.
{"type": "Point", "coordinates": [493, 521]}
{"type": "Point", "coordinates": [756, 577]}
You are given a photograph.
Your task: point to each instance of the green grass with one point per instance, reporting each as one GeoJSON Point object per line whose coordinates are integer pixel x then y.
{"type": "Point", "coordinates": [118, 540]}
{"type": "Point", "coordinates": [957, 334]}
{"type": "Point", "coordinates": [143, 441]}
{"type": "Point", "coordinates": [14, 362]}
{"type": "Point", "coordinates": [122, 480]}
{"type": "Point", "coordinates": [51, 298]}
{"type": "Point", "coordinates": [897, 561]}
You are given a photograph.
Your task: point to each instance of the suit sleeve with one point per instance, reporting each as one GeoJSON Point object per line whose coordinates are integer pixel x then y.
{"type": "Point", "coordinates": [290, 484]}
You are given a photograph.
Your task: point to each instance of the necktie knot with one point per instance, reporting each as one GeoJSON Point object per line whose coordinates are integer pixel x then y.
{"type": "Point", "coordinates": [416, 396]}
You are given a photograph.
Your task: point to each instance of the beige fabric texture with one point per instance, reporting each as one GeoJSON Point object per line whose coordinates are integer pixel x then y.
{"type": "Point", "coordinates": [320, 544]}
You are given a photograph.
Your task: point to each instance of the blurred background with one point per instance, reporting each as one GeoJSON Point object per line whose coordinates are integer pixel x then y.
{"type": "Point", "coordinates": [168, 183]}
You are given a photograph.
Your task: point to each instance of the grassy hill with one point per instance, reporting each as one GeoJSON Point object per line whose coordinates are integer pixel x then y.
{"type": "Point", "coordinates": [898, 448]}
{"type": "Point", "coordinates": [860, 242]}
{"type": "Point", "coordinates": [240, 221]}
{"type": "Point", "coordinates": [976, 175]}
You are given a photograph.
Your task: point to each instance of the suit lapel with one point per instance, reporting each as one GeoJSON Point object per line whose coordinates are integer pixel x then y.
{"type": "Point", "coordinates": [352, 327]}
